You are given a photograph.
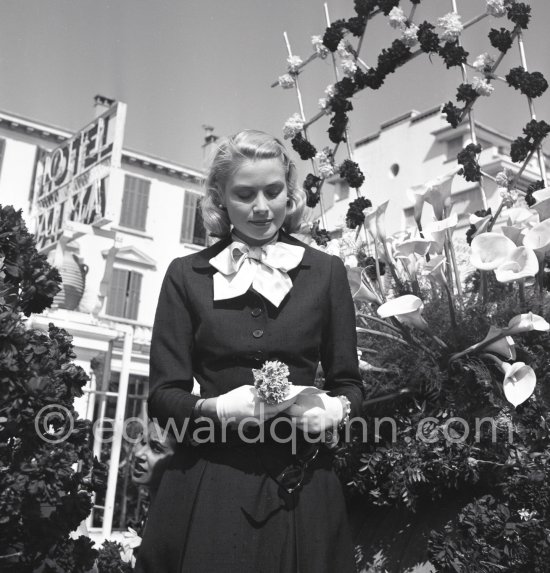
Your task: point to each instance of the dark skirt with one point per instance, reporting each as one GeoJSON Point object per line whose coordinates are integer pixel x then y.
{"type": "Point", "coordinates": [219, 509]}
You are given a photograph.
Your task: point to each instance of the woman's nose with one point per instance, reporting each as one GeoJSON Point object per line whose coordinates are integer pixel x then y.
{"type": "Point", "coordinates": [260, 205]}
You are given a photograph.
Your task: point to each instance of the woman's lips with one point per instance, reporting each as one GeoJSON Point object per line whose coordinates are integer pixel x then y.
{"type": "Point", "coordinates": [262, 222]}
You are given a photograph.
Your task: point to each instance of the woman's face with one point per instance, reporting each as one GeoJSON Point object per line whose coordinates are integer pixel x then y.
{"type": "Point", "coordinates": [256, 198]}
{"type": "Point", "coordinates": [151, 456]}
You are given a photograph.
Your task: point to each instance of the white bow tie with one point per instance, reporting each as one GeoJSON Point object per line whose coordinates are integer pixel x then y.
{"type": "Point", "coordinates": [265, 268]}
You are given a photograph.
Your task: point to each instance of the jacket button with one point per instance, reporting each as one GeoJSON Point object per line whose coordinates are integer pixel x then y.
{"type": "Point", "coordinates": [258, 356]}
{"type": "Point", "coordinates": [255, 312]}
{"type": "Point", "coordinates": [258, 333]}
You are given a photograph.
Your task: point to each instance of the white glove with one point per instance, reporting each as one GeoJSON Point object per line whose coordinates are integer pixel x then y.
{"type": "Point", "coordinates": [243, 402]}
{"type": "Point", "coordinates": [314, 411]}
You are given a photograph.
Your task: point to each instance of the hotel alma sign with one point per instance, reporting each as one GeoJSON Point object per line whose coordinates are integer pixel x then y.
{"type": "Point", "coordinates": [72, 180]}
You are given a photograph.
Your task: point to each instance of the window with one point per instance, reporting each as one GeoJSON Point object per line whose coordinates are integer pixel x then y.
{"type": "Point", "coordinates": [124, 291]}
{"type": "Point", "coordinates": [135, 201]}
{"type": "Point", "coordinates": [454, 147]}
{"type": "Point", "coordinates": [192, 229]}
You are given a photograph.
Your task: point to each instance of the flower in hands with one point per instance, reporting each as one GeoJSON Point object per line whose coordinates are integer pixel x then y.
{"type": "Point", "coordinates": [271, 381]}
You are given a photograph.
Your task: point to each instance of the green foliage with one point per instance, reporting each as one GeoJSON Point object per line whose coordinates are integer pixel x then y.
{"type": "Point", "coordinates": [42, 496]}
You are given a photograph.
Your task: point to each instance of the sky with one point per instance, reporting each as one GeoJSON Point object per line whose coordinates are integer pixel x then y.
{"type": "Point", "coordinates": [180, 64]}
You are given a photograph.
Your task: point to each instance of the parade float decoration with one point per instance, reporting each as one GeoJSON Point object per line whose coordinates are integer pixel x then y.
{"type": "Point", "coordinates": [452, 462]}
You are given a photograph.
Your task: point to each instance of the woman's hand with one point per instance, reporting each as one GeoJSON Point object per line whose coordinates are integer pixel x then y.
{"type": "Point", "coordinates": [243, 402]}
{"type": "Point", "coordinates": [314, 411]}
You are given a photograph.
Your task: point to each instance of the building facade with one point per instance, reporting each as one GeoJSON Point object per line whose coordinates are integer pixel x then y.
{"type": "Point", "coordinates": [112, 233]}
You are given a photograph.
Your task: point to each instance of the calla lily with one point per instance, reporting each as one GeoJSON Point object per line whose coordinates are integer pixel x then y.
{"type": "Point", "coordinates": [435, 269]}
{"type": "Point", "coordinates": [375, 223]}
{"type": "Point", "coordinates": [542, 206]}
{"type": "Point", "coordinates": [416, 196]}
{"type": "Point", "coordinates": [525, 323]}
{"type": "Point", "coordinates": [521, 217]}
{"type": "Point", "coordinates": [522, 263]}
{"type": "Point", "coordinates": [360, 292]}
{"type": "Point", "coordinates": [505, 346]}
{"type": "Point", "coordinates": [438, 229]}
{"type": "Point", "coordinates": [407, 309]}
{"type": "Point", "coordinates": [480, 223]}
{"type": "Point", "coordinates": [490, 250]}
{"type": "Point", "coordinates": [412, 246]}
{"type": "Point", "coordinates": [519, 382]}
{"type": "Point", "coordinates": [438, 194]}
{"type": "Point", "coordinates": [538, 238]}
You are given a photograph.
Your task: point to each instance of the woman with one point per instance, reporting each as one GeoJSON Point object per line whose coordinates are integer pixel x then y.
{"type": "Point", "coordinates": [237, 504]}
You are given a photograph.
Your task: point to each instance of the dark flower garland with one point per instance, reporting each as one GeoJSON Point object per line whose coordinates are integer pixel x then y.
{"type": "Point", "coordinates": [536, 186]}
{"type": "Point", "coordinates": [453, 54]}
{"type": "Point", "coordinates": [501, 39]}
{"type": "Point", "coordinates": [303, 147]}
{"type": "Point", "coordinates": [345, 88]}
{"type": "Point", "coordinates": [356, 25]}
{"type": "Point", "coordinates": [387, 5]}
{"type": "Point", "coordinates": [333, 35]}
{"type": "Point", "coordinates": [453, 113]}
{"type": "Point", "coordinates": [468, 159]}
{"type": "Point", "coordinates": [320, 236]}
{"type": "Point", "coordinates": [350, 171]}
{"type": "Point", "coordinates": [531, 84]}
{"type": "Point", "coordinates": [535, 131]}
{"type": "Point", "coordinates": [355, 216]}
{"type": "Point", "coordinates": [393, 57]}
{"type": "Point", "coordinates": [428, 39]}
{"type": "Point", "coordinates": [472, 230]}
{"type": "Point", "coordinates": [337, 129]}
{"type": "Point", "coordinates": [466, 93]}
{"type": "Point", "coordinates": [520, 14]}
{"type": "Point", "coordinates": [311, 187]}
{"type": "Point", "coordinates": [369, 79]}
{"type": "Point", "coordinates": [365, 7]}
{"type": "Point", "coordinates": [369, 264]}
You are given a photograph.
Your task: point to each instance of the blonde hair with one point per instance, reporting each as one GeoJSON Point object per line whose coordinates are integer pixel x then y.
{"type": "Point", "coordinates": [232, 152]}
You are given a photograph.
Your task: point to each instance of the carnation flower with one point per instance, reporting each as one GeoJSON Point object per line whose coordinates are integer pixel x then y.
{"type": "Point", "coordinates": [504, 178]}
{"type": "Point", "coordinates": [410, 36]}
{"type": "Point", "coordinates": [343, 50]}
{"type": "Point", "coordinates": [325, 160]}
{"type": "Point", "coordinates": [453, 114]}
{"type": "Point", "coordinates": [355, 215]}
{"type": "Point", "coordinates": [482, 86]}
{"type": "Point", "coordinates": [303, 147]}
{"type": "Point", "coordinates": [271, 381]}
{"type": "Point", "coordinates": [294, 124]}
{"type": "Point", "coordinates": [509, 197]}
{"type": "Point", "coordinates": [429, 40]}
{"type": "Point", "coordinates": [294, 63]}
{"type": "Point", "coordinates": [452, 26]}
{"type": "Point", "coordinates": [484, 62]}
{"type": "Point", "coordinates": [453, 54]}
{"type": "Point", "coordinates": [318, 46]}
{"type": "Point", "coordinates": [286, 81]}
{"type": "Point", "coordinates": [349, 67]}
{"type": "Point", "coordinates": [501, 39]}
{"type": "Point", "coordinates": [324, 104]}
{"type": "Point", "coordinates": [397, 18]}
{"type": "Point", "coordinates": [496, 8]}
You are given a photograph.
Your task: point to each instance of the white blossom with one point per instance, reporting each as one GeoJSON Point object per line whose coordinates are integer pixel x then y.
{"type": "Point", "coordinates": [329, 91]}
{"type": "Point", "coordinates": [397, 18]}
{"type": "Point", "coordinates": [325, 161]}
{"type": "Point", "coordinates": [410, 36]}
{"type": "Point", "coordinates": [482, 86]}
{"type": "Point", "coordinates": [286, 81]}
{"type": "Point", "coordinates": [343, 50]}
{"type": "Point", "coordinates": [496, 8]}
{"type": "Point", "coordinates": [324, 105]}
{"type": "Point", "coordinates": [504, 178]}
{"type": "Point", "coordinates": [294, 63]}
{"type": "Point", "coordinates": [294, 124]}
{"type": "Point", "coordinates": [452, 26]}
{"type": "Point", "coordinates": [509, 197]}
{"type": "Point", "coordinates": [319, 47]}
{"type": "Point", "coordinates": [484, 62]}
{"type": "Point", "coordinates": [349, 67]}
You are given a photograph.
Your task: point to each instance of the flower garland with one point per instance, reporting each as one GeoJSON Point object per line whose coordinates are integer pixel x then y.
{"type": "Point", "coordinates": [355, 215]}
{"type": "Point", "coordinates": [536, 186]}
{"type": "Point", "coordinates": [531, 84]}
{"type": "Point", "coordinates": [501, 39]}
{"type": "Point", "coordinates": [303, 147]}
{"type": "Point", "coordinates": [535, 132]}
{"type": "Point", "coordinates": [349, 170]}
{"type": "Point", "coordinates": [312, 185]}
{"type": "Point", "coordinates": [468, 159]}
{"type": "Point", "coordinates": [519, 13]}
{"type": "Point", "coordinates": [320, 236]}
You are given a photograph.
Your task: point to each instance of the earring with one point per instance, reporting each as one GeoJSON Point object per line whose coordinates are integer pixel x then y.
{"type": "Point", "coordinates": [222, 207]}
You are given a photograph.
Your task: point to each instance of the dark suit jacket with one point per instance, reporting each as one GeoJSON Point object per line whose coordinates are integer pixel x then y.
{"type": "Point", "coordinates": [219, 343]}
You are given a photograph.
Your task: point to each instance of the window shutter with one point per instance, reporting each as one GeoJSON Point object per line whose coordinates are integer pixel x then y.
{"type": "Point", "coordinates": [188, 220]}
{"type": "Point", "coordinates": [199, 232]}
{"type": "Point", "coordinates": [135, 201]}
{"type": "Point", "coordinates": [117, 293]}
{"type": "Point", "coordinates": [132, 301]}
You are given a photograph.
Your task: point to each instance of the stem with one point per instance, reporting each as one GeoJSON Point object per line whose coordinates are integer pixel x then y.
{"type": "Point", "coordinates": [451, 306]}
{"type": "Point", "coordinates": [521, 292]}
{"type": "Point", "coordinates": [392, 396]}
{"type": "Point", "coordinates": [455, 265]}
{"type": "Point", "coordinates": [478, 346]}
{"type": "Point", "coordinates": [383, 334]}
{"type": "Point", "coordinates": [379, 321]}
